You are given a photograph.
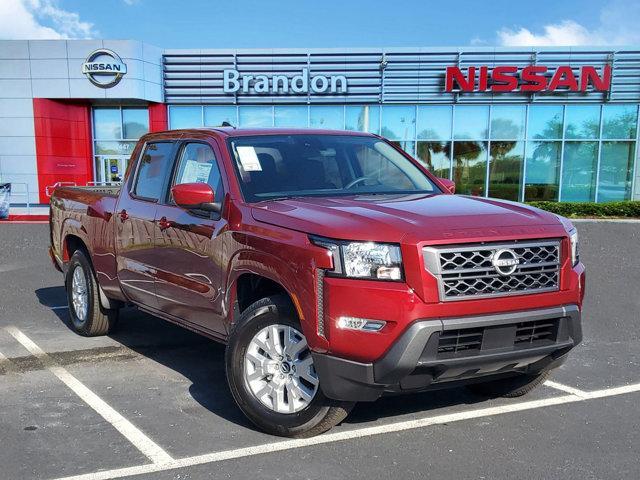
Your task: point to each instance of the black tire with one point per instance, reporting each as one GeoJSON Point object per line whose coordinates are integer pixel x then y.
{"type": "Point", "coordinates": [99, 320]}
{"type": "Point", "coordinates": [511, 387]}
{"type": "Point", "coordinates": [319, 416]}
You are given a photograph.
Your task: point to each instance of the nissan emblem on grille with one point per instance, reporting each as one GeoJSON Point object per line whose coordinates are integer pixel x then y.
{"type": "Point", "coordinates": [466, 272]}
{"type": "Point", "coordinates": [505, 261]}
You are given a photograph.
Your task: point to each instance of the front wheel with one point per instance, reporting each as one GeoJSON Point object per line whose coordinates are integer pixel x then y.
{"type": "Point", "coordinates": [271, 374]}
{"type": "Point", "coordinates": [88, 317]}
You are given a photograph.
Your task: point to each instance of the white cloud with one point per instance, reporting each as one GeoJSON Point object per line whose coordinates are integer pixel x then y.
{"type": "Point", "coordinates": [566, 33]}
{"type": "Point", "coordinates": [617, 26]}
{"type": "Point", "coordinates": [40, 19]}
{"type": "Point", "coordinates": [131, 2]}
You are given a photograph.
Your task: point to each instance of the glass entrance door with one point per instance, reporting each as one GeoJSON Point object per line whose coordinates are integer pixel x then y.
{"type": "Point", "coordinates": [110, 169]}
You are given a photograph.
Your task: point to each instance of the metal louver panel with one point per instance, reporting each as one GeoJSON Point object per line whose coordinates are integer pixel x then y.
{"type": "Point", "coordinates": [409, 75]}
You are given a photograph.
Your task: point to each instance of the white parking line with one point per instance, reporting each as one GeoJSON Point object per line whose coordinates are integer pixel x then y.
{"type": "Point", "coordinates": [132, 433]}
{"type": "Point", "coordinates": [351, 434]}
{"type": "Point", "coordinates": [566, 388]}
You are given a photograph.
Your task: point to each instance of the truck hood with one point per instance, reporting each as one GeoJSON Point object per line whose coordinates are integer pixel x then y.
{"type": "Point", "coordinates": [409, 218]}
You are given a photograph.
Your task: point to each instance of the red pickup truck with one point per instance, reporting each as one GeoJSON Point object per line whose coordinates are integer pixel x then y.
{"type": "Point", "coordinates": [334, 266]}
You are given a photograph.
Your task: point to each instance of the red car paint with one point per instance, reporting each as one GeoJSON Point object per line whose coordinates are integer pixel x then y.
{"type": "Point", "coordinates": [186, 268]}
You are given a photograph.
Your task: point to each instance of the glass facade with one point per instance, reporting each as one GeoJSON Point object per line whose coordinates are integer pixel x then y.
{"type": "Point", "coordinates": [515, 152]}
{"type": "Point", "coordinates": [115, 133]}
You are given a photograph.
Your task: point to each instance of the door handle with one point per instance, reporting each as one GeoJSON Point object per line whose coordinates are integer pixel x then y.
{"type": "Point", "coordinates": [123, 215]}
{"type": "Point", "coordinates": [163, 223]}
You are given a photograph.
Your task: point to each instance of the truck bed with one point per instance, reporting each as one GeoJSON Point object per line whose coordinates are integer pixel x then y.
{"type": "Point", "coordinates": [107, 190]}
{"type": "Point", "coordinates": [87, 214]}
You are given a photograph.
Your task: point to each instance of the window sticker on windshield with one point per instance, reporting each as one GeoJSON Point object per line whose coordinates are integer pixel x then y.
{"type": "Point", "coordinates": [196, 172]}
{"type": "Point", "coordinates": [249, 159]}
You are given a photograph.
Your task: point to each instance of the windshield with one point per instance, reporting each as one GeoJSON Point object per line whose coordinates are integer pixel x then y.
{"type": "Point", "coordinates": [277, 166]}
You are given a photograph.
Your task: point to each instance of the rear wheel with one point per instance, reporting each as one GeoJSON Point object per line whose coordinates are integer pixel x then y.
{"type": "Point", "coordinates": [271, 374]}
{"type": "Point", "coordinates": [510, 387]}
{"type": "Point", "coordinates": [88, 317]}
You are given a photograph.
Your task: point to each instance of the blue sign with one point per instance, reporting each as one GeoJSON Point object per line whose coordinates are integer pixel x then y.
{"type": "Point", "coordinates": [114, 169]}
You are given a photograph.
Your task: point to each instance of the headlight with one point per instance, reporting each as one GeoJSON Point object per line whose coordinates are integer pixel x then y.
{"type": "Point", "coordinates": [369, 260]}
{"type": "Point", "coordinates": [575, 254]}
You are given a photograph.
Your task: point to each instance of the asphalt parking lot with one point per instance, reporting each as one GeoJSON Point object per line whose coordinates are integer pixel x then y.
{"type": "Point", "coordinates": [151, 401]}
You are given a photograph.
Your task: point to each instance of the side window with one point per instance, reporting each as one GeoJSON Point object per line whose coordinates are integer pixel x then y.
{"type": "Point", "coordinates": [197, 164]}
{"type": "Point", "coordinates": [155, 161]}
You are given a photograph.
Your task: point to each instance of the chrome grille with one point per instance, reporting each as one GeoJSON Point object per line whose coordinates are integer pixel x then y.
{"type": "Point", "coordinates": [466, 272]}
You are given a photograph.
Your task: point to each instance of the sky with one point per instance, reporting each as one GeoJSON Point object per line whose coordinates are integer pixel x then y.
{"type": "Point", "coordinates": [328, 23]}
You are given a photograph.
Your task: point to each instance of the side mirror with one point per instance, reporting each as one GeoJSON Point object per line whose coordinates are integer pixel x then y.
{"type": "Point", "coordinates": [449, 185]}
{"type": "Point", "coordinates": [195, 196]}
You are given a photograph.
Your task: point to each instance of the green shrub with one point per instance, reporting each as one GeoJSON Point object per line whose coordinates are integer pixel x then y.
{"type": "Point", "coordinates": [589, 209]}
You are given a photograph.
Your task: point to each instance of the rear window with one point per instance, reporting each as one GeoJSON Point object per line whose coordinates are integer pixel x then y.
{"type": "Point", "coordinates": [154, 164]}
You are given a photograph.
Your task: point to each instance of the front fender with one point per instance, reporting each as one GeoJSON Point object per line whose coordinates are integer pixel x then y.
{"type": "Point", "coordinates": [297, 278]}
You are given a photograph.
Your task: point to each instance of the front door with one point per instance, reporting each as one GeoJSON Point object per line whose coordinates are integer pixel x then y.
{"type": "Point", "coordinates": [135, 227]}
{"type": "Point", "coordinates": [189, 245]}
{"type": "Point", "coordinates": [110, 169]}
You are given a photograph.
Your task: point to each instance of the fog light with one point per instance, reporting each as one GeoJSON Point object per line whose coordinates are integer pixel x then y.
{"type": "Point", "coordinates": [352, 323]}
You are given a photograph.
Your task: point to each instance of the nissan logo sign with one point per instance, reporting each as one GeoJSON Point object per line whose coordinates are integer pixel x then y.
{"type": "Point", "coordinates": [505, 261]}
{"type": "Point", "coordinates": [104, 68]}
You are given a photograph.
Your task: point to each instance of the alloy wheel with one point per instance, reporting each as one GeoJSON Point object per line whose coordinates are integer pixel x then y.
{"type": "Point", "coordinates": [279, 371]}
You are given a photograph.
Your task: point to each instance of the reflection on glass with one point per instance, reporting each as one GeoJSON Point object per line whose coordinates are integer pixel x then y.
{"type": "Point", "coordinates": [255, 116]}
{"type": "Point", "coordinates": [291, 116]}
{"type": "Point", "coordinates": [616, 169]}
{"type": "Point", "coordinates": [185, 117]}
{"type": "Point", "coordinates": [505, 167]}
{"type": "Point", "coordinates": [619, 121]}
{"type": "Point", "coordinates": [434, 122]}
{"type": "Point", "coordinates": [470, 167]}
{"type": "Point", "coordinates": [326, 116]}
{"type": "Point", "coordinates": [507, 122]}
{"type": "Point", "coordinates": [543, 171]}
{"type": "Point", "coordinates": [406, 145]}
{"type": "Point", "coordinates": [436, 156]}
{"type": "Point", "coordinates": [582, 121]}
{"type": "Point", "coordinates": [362, 118]}
{"type": "Point", "coordinates": [399, 122]}
{"type": "Point", "coordinates": [136, 122]}
{"type": "Point", "coordinates": [107, 124]}
{"type": "Point", "coordinates": [579, 172]}
{"type": "Point", "coordinates": [545, 122]}
{"type": "Point", "coordinates": [216, 116]}
{"type": "Point", "coordinates": [471, 122]}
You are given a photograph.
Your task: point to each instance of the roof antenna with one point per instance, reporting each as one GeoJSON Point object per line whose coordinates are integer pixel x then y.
{"type": "Point", "coordinates": [227, 124]}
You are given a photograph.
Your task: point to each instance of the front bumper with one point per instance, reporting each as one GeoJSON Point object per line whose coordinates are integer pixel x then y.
{"type": "Point", "coordinates": [445, 352]}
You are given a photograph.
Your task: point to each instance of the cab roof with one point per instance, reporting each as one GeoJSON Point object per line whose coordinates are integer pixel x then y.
{"type": "Point", "coordinates": [243, 132]}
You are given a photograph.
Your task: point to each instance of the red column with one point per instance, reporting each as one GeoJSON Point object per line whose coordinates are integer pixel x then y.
{"type": "Point", "coordinates": [158, 120]}
{"type": "Point", "coordinates": [63, 143]}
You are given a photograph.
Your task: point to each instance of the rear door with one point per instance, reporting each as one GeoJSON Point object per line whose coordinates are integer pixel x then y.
{"type": "Point", "coordinates": [189, 244]}
{"type": "Point", "coordinates": [135, 217]}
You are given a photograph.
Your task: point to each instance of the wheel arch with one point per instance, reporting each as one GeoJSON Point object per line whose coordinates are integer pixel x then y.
{"type": "Point", "coordinates": [70, 244]}
{"type": "Point", "coordinates": [253, 275]}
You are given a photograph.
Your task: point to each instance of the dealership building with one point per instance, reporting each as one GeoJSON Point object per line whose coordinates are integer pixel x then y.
{"type": "Point", "coordinates": [520, 124]}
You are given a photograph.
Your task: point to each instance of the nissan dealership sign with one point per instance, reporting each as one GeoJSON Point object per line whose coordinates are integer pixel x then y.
{"type": "Point", "coordinates": [533, 78]}
{"type": "Point", "coordinates": [302, 83]}
{"type": "Point", "coordinates": [104, 68]}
